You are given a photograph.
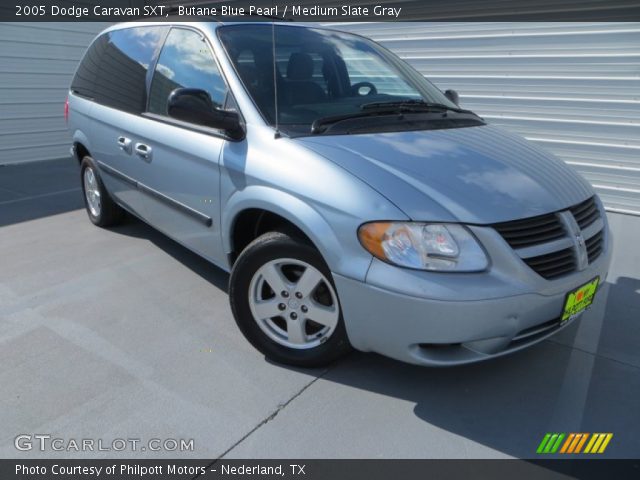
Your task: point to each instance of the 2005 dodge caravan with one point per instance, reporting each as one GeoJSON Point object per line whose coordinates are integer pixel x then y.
{"type": "Point", "coordinates": [354, 203]}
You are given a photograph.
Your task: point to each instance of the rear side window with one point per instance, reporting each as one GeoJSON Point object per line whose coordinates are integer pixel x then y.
{"type": "Point", "coordinates": [120, 81]}
{"type": "Point", "coordinates": [185, 62]}
{"type": "Point", "coordinates": [84, 81]}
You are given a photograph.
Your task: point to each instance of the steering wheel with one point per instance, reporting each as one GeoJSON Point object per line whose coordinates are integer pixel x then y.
{"type": "Point", "coordinates": [355, 89]}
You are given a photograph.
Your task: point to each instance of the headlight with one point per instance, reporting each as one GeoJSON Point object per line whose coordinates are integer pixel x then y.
{"type": "Point", "coordinates": [424, 246]}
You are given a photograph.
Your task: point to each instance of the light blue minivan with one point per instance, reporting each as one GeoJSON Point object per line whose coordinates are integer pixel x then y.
{"type": "Point", "coordinates": [354, 203]}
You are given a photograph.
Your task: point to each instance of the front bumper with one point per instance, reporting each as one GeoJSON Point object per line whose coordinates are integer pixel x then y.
{"type": "Point", "coordinates": [450, 319]}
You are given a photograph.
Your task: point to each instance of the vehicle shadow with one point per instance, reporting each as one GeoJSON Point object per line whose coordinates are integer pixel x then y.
{"type": "Point", "coordinates": [35, 190]}
{"type": "Point", "coordinates": [136, 228]}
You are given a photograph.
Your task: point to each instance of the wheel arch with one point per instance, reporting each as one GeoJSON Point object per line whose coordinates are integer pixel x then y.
{"type": "Point", "coordinates": [250, 223]}
{"type": "Point", "coordinates": [265, 206]}
{"type": "Point", "coordinates": [81, 145]}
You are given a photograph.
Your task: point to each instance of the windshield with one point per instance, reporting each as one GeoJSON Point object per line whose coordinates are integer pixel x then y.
{"type": "Point", "coordinates": [320, 74]}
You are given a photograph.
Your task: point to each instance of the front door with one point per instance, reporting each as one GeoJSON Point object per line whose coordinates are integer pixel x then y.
{"type": "Point", "coordinates": [181, 173]}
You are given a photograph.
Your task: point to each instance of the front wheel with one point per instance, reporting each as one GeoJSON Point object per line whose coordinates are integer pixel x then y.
{"type": "Point", "coordinates": [285, 302]}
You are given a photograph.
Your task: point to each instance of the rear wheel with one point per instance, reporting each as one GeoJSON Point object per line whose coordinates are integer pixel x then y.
{"type": "Point", "coordinates": [101, 208]}
{"type": "Point", "coordinates": [285, 302]}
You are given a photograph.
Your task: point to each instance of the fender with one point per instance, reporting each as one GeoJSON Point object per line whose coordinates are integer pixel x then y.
{"type": "Point", "coordinates": [80, 119]}
{"type": "Point", "coordinates": [302, 215]}
{"type": "Point", "coordinates": [80, 137]}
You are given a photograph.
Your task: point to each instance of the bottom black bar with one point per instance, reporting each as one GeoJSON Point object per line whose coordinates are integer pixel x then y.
{"type": "Point", "coordinates": [319, 469]}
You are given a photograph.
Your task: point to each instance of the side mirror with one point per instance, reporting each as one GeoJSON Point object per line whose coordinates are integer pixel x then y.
{"type": "Point", "coordinates": [195, 106]}
{"type": "Point", "coordinates": [453, 96]}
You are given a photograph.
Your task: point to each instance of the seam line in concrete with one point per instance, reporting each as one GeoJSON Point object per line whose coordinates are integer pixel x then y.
{"type": "Point", "coordinates": [597, 355]}
{"type": "Point", "coordinates": [33, 197]}
{"type": "Point", "coordinates": [266, 420]}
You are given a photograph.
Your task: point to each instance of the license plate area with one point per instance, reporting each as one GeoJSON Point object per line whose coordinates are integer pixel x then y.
{"type": "Point", "coordinates": [578, 300]}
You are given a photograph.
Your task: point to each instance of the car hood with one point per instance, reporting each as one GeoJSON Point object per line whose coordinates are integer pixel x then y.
{"type": "Point", "coordinates": [477, 175]}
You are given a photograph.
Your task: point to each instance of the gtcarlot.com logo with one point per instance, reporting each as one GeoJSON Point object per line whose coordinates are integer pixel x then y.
{"type": "Point", "coordinates": [46, 442]}
{"type": "Point", "coordinates": [574, 443]}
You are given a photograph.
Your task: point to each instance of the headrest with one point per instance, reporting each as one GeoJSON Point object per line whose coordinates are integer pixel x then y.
{"type": "Point", "coordinates": [300, 67]}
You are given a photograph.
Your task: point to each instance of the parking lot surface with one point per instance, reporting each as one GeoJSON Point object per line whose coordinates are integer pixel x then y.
{"type": "Point", "coordinates": [122, 333]}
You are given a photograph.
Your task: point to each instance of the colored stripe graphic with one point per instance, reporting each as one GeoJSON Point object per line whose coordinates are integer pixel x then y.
{"type": "Point", "coordinates": [598, 443]}
{"type": "Point", "coordinates": [590, 444]}
{"type": "Point", "coordinates": [550, 443]}
{"type": "Point", "coordinates": [556, 445]}
{"type": "Point", "coordinates": [605, 443]}
{"type": "Point", "coordinates": [543, 443]}
{"type": "Point", "coordinates": [572, 443]}
{"type": "Point", "coordinates": [567, 443]}
{"type": "Point", "coordinates": [581, 443]}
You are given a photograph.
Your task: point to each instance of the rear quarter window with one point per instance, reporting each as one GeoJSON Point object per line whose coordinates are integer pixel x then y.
{"type": "Point", "coordinates": [85, 78]}
{"type": "Point", "coordinates": [123, 58]}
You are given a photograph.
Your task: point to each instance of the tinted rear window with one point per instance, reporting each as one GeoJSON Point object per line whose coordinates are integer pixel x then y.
{"type": "Point", "coordinates": [114, 70]}
{"type": "Point", "coordinates": [121, 79]}
{"type": "Point", "coordinates": [84, 81]}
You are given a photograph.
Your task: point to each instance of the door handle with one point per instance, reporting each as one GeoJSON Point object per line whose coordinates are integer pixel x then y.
{"type": "Point", "coordinates": [143, 151]}
{"type": "Point", "coordinates": [125, 144]}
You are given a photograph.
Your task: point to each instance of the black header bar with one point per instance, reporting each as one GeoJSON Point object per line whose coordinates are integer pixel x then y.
{"type": "Point", "coordinates": [319, 469]}
{"type": "Point", "coordinates": [320, 10]}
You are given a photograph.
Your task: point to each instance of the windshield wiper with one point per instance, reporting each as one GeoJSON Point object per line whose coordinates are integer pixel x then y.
{"type": "Point", "coordinates": [411, 106]}
{"type": "Point", "coordinates": [386, 108]}
{"type": "Point", "coordinates": [321, 124]}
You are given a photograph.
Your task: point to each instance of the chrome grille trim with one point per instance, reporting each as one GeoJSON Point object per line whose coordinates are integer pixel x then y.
{"type": "Point", "coordinates": [593, 229]}
{"type": "Point", "coordinates": [531, 231]}
{"type": "Point", "coordinates": [553, 265]}
{"type": "Point", "coordinates": [586, 212]}
{"type": "Point", "coordinates": [544, 248]}
{"type": "Point", "coordinates": [595, 246]}
{"type": "Point", "coordinates": [538, 242]}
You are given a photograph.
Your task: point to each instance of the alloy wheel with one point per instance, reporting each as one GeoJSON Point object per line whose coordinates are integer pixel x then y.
{"type": "Point", "coordinates": [293, 303]}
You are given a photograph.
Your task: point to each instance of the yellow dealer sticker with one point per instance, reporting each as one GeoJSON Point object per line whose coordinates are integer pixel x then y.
{"type": "Point", "coordinates": [578, 300]}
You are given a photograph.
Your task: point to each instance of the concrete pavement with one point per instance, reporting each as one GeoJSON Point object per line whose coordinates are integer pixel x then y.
{"type": "Point", "coordinates": [122, 333]}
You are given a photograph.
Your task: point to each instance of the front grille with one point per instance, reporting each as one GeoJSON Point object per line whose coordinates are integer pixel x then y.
{"type": "Point", "coordinates": [595, 245]}
{"type": "Point", "coordinates": [586, 213]}
{"type": "Point", "coordinates": [531, 231]}
{"type": "Point", "coordinates": [543, 229]}
{"type": "Point", "coordinates": [553, 265]}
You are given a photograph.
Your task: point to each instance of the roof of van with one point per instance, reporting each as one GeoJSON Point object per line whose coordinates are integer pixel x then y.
{"type": "Point", "coordinates": [209, 21]}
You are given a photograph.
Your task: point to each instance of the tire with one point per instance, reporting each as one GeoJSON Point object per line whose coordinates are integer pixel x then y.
{"type": "Point", "coordinates": [274, 302]}
{"type": "Point", "coordinates": [101, 208]}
